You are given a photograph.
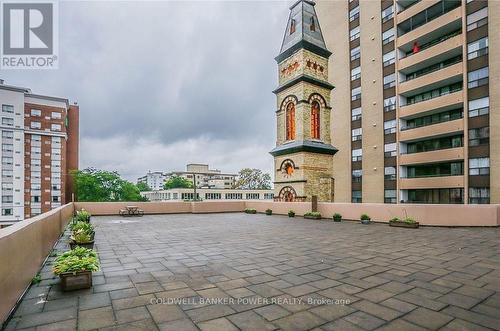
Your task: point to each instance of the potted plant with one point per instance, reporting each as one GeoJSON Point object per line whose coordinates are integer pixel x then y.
{"type": "Point", "coordinates": [407, 222]}
{"type": "Point", "coordinates": [291, 213]}
{"type": "Point", "coordinates": [87, 227]}
{"type": "Point", "coordinates": [313, 215]}
{"type": "Point", "coordinates": [81, 238]}
{"type": "Point", "coordinates": [251, 211]}
{"type": "Point", "coordinates": [365, 219]}
{"type": "Point", "coordinates": [269, 211]}
{"type": "Point", "coordinates": [82, 216]}
{"type": "Point", "coordinates": [82, 235]}
{"type": "Point", "coordinates": [75, 268]}
{"type": "Point", "coordinates": [337, 217]}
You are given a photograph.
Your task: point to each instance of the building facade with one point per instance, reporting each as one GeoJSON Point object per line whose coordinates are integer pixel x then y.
{"type": "Point", "coordinates": [181, 194]}
{"type": "Point", "coordinates": [303, 156]}
{"type": "Point", "coordinates": [195, 172]}
{"type": "Point", "coordinates": [415, 111]}
{"type": "Point", "coordinates": [39, 150]}
{"type": "Point", "coordinates": [206, 177]}
{"type": "Point", "coordinates": [154, 180]}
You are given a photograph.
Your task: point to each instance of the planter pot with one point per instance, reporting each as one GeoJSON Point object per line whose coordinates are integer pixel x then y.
{"type": "Point", "coordinates": [366, 222]}
{"type": "Point", "coordinates": [269, 214]}
{"type": "Point", "coordinates": [76, 281]}
{"type": "Point", "coordinates": [404, 224]}
{"type": "Point", "coordinates": [89, 245]}
{"type": "Point", "coordinates": [312, 217]}
{"type": "Point", "coordinates": [251, 211]}
{"type": "Point", "coordinates": [291, 215]}
{"type": "Point", "coordinates": [337, 219]}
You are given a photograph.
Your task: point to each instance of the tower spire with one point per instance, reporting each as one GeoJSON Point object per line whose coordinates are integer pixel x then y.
{"type": "Point", "coordinates": [303, 31]}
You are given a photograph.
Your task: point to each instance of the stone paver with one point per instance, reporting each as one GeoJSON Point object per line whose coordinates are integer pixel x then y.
{"type": "Point", "coordinates": [255, 272]}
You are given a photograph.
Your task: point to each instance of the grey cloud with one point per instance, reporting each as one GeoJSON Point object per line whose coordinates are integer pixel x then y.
{"type": "Point", "coordinates": [163, 72]}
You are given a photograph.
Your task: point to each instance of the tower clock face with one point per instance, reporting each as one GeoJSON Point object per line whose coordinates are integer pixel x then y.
{"type": "Point", "coordinates": [287, 168]}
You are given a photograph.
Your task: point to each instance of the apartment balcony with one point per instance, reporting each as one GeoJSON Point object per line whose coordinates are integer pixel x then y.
{"type": "Point", "coordinates": [441, 103]}
{"type": "Point", "coordinates": [415, 9]}
{"type": "Point", "coordinates": [431, 30]}
{"type": "Point", "coordinates": [431, 182]}
{"type": "Point", "coordinates": [434, 54]}
{"type": "Point", "coordinates": [442, 77]}
{"type": "Point", "coordinates": [434, 130]}
{"type": "Point", "coordinates": [441, 155]}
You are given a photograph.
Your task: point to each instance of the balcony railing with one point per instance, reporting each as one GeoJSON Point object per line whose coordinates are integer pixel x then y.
{"type": "Point", "coordinates": [433, 96]}
{"type": "Point", "coordinates": [432, 176]}
{"type": "Point", "coordinates": [433, 68]}
{"type": "Point", "coordinates": [423, 124]}
{"type": "Point", "coordinates": [434, 42]}
{"type": "Point", "coordinates": [409, 6]}
{"type": "Point", "coordinates": [437, 10]}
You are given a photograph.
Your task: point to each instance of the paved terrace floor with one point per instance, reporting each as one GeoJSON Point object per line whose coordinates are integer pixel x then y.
{"type": "Point", "coordinates": [394, 279]}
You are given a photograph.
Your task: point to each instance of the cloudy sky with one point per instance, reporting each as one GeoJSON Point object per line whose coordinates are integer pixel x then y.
{"type": "Point", "coordinates": [162, 84]}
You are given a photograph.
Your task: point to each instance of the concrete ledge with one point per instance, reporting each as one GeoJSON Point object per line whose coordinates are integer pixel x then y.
{"type": "Point", "coordinates": [23, 248]}
{"type": "Point", "coordinates": [436, 215]}
{"type": "Point", "coordinates": [167, 207]}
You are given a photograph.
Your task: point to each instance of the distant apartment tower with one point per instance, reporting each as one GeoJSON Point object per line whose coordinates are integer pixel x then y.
{"type": "Point", "coordinates": [416, 109]}
{"type": "Point", "coordinates": [39, 150]}
{"type": "Point", "coordinates": [154, 180]}
{"type": "Point", "coordinates": [206, 177]}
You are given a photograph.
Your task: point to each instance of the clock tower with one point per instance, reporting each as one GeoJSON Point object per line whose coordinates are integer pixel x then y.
{"type": "Point", "coordinates": [303, 156]}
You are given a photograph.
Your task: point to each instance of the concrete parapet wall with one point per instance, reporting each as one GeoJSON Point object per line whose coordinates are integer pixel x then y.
{"type": "Point", "coordinates": [436, 215]}
{"type": "Point", "coordinates": [23, 248]}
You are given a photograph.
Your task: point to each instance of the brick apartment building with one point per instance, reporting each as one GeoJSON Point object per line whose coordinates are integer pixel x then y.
{"type": "Point", "coordinates": [40, 136]}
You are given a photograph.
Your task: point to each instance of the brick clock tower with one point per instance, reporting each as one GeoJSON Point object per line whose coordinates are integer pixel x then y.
{"type": "Point", "coordinates": [303, 156]}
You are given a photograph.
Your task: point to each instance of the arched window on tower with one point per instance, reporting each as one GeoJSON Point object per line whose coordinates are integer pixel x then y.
{"type": "Point", "coordinates": [315, 120]}
{"type": "Point", "coordinates": [313, 24]}
{"type": "Point", "coordinates": [290, 121]}
{"type": "Point", "coordinates": [292, 26]}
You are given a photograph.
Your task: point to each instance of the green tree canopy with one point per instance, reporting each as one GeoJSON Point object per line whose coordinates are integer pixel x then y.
{"type": "Point", "coordinates": [253, 179]}
{"type": "Point", "coordinates": [177, 182]}
{"type": "Point", "coordinates": [99, 186]}
{"type": "Point", "coordinates": [143, 187]}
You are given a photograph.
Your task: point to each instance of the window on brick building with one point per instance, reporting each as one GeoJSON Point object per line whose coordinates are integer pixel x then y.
{"type": "Point", "coordinates": [315, 124]}
{"type": "Point", "coordinates": [290, 122]}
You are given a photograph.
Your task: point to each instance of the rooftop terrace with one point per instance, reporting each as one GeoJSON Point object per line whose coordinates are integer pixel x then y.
{"type": "Point", "coordinates": [259, 266]}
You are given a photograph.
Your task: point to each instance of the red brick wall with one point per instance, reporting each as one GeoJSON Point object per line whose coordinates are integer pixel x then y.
{"type": "Point", "coordinates": [72, 150]}
{"type": "Point", "coordinates": [46, 121]}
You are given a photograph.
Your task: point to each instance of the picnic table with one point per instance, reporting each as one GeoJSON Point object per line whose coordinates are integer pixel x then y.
{"type": "Point", "coordinates": [131, 211]}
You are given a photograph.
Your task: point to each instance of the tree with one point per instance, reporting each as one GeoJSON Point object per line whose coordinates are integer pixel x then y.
{"type": "Point", "coordinates": [99, 186]}
{"type": "Point", "coordinates": [143, 187]}
{"type": "Point", "coordinates": [253, 179]}
{"type": "Point", "coordinates": [177, 182]}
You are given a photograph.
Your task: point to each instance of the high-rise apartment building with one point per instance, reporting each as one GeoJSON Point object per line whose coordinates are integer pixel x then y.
{"type": "Point", "coordinates": [416, 104]}
{"type": "Point", "coordinates": [39, 150]}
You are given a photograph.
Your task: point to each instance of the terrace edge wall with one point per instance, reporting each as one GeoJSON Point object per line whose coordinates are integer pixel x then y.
{"type": "Point", "coordinates": [23, 248]}
{"type": "Point", "coordinates": [435, 215]}
{"type": "Point", "coordinates": [432, 215]}
{"type": "Point", "coordinates": [175, 207]}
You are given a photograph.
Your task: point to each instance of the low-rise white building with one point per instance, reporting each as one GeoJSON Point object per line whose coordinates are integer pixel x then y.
{"type": "Point", "coordinates": [208, 194]}
{"type": "Point", "coordinates": [154, 180]}
{"type": "Point", "coordinates": [206, 177]}
{"type": "Point", "coordinates": [199, 173]}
